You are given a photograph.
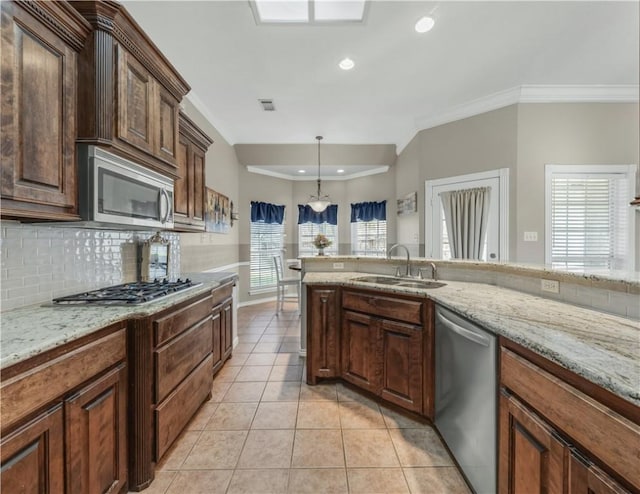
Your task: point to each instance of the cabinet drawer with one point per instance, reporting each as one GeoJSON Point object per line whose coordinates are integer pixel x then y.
{"type": "Point", "coordinates": [594, 427]}
{"type": "Point", "coordinates": [176, 322]}
{"type": "Point", "coordinates": [176, 359]}
{"type": "Point", "coordinates": [221, 294]}
{"type": "Point", "coordinates": [393, 308]}
{"type": "Point", "coordinates": [34, 388]}
{"type": "Point", "coordinates": [173, 413]}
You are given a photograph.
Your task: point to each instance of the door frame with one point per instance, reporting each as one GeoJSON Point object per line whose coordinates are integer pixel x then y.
{"type": "Point", "coordinates": [502, 174]}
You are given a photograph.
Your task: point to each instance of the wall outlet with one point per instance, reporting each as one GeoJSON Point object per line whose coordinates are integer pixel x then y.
{"type": "Point", "coordinates": [552, 286]}
{"type": "Point", "coordinates": [338, 265]}
{"type": "Point", "coordinates": [530, 236]}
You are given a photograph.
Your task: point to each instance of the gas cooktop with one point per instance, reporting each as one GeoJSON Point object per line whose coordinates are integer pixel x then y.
{"type": "Point", "coordinates": [129, 293]}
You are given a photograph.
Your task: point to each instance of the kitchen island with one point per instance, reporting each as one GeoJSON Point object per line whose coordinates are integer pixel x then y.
{"type": "Point", "coordinates": [569, 376]}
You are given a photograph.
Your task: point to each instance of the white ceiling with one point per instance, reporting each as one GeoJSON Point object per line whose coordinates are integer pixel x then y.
{"type": "Point", "coordinates": [478, 54]}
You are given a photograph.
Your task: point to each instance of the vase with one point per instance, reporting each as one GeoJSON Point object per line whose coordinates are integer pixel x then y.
{"type": "Point", "coordinates": [321, 251]}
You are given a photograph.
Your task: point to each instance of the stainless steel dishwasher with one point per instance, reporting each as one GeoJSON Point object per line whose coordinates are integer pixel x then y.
{"type": "Point", "coordinates": [466, 397]}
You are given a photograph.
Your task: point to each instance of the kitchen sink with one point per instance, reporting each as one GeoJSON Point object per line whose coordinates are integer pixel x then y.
{"type": "Point", "coordinates": [404, 282]}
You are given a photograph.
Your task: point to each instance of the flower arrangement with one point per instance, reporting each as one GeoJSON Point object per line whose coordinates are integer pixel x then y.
{"type": "Point", "coordinates": [321, 241]}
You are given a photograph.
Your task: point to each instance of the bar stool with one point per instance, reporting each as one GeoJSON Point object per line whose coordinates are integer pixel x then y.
{"type": "Point", "coordinates": [283, 282]}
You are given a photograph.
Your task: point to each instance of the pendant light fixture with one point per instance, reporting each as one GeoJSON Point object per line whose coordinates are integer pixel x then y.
{"type": "Point", "coordinates": [319, 202]}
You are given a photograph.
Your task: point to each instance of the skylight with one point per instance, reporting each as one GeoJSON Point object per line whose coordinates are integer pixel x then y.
{"type": "Point", "coordinates": [307, 11]}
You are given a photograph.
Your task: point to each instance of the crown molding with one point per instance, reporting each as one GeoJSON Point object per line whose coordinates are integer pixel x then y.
{"type": "Point", "coordinates": [204, 111]}
{"type": "Point", "coordinates": [593, 93]}
{"type": "Point", "coordinates": [261, 171]}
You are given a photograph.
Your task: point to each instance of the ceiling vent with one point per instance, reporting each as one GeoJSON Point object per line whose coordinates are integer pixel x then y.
{"type": "Point", "coordinates": [267, 104]}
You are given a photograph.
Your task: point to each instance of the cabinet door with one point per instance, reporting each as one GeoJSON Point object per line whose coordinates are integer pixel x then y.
{"type": "Point", "coordinates": [532, 458]}
{"type": "Point", "coordinates": [33, 456]}
{"type": "Point", "coordinates": [181, 185]}
{"type": "Point", "coordinates": [166, 125]}
{"type": "Point", "coordinates": [217, 338]}
{"type": "Point", "coordinates": [38, 119]}
{"type": "Point", "coordinates": [323, 345]}
{"type": "Point", "coordinates": [197, 187]}
{"type": "Point", "coordinates": [402, 361]}
{"type": "Point", "coordinates": [586, 478]}
{"type": "Point", "coordinates": [135, 103]}
{"type": "Point", "coordinates": [360, 351]}
{"type": "Point", "coordinates": [96, 445]}
{"type": "Point", "coordinates": [227, 330]}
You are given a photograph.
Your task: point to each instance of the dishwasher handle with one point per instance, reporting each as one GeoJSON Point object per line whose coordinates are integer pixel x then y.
{"type": "Point", "coordinates": [464, 332]}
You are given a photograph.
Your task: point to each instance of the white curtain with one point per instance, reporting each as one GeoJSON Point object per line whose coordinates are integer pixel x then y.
{"type": "Point", "coordinates": [466, 213]}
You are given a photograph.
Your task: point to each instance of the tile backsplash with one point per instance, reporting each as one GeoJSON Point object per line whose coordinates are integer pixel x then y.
{"type": "Point", "coordinates": [39, 263]}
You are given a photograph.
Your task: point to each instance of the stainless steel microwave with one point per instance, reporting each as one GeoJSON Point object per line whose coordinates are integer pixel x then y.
{"type": "Point", "coordinates": [117, 192]}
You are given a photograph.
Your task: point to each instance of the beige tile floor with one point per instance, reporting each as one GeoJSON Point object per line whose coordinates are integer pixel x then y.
{"type": "Point", "coordinates": [265, 431]}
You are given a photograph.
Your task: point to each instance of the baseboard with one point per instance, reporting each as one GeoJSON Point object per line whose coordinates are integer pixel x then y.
{"type": "Point", "coordinates": [256, 302]}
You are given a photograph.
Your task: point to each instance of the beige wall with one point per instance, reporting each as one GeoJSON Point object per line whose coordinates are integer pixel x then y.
{"type": "Point", "coordinates": [203, 251]}
{"type": "Point", "coordinates": [523, 138]}
{"type": "Point", "coordinates": [475, 144]}
{"type": "Point", "coordinates": [304, 154]}
{"type": "Point", "coordinates": [407, 171]}
{"type": "Point", "coordinates": [566, 134]}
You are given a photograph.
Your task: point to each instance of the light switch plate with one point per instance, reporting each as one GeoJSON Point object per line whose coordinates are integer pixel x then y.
{"type": "Point", "coordinates": [338, 265]}
{"type": "Point", "coordinates": [552, 286]}
{"type": "Point", "coordinates": [530, 236]}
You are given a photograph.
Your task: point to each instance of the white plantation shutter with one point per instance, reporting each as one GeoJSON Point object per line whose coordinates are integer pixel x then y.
{"type": "Point", "coordinates": [369, 238]}
{"type": "Point", "coordinates": [267, 240]}
{"type": "Point", "coordinates": [308, 231]}
{"type": "Point", "coordinates": [589, 220]}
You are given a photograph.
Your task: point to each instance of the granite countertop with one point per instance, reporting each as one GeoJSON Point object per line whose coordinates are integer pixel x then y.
{"type": "Point", "coordinates": [603, 348]}
{"type": "Point", "coordinates": [31, 330]}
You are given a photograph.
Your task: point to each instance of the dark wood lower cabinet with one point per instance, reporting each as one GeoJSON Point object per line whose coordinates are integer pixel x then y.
{"type": "Point", "coordinates": [227, 329]}
{"type": "Point", "coordinates": [381, 343]}
{"type": "Point", "coordinates": [79, 442]}
{"type": "Point", "coordinates": [402, 364]}
{"type": "Point", "coordinates": [533, 459]}
{"type": "Point", "coordinates": [323, 356]}
{"type": "Point", "coordinates": [554, 437]}
{"type": "Point", "coordinates": [33, 456]}
{"type": "Point", "coordinates": [96, 437]}
{"type": "Point", "coordinates": [361, 351]}
{"type": "Point", "coordinates": [586, 478]}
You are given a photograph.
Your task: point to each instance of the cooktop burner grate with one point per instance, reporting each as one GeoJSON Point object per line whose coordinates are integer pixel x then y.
{"type": "Point", "coordinates": [129, 293]}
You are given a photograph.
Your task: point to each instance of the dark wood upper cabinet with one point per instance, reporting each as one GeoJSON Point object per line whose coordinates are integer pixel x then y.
{"type": "Point", "coordinates": [40, 45]}
{"type": "Point", "coordinates": [129, 92]}
{"type": "Point", "coordinates": [189, 197]}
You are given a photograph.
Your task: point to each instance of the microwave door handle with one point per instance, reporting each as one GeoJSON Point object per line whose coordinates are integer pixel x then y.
{"type": "Point", "coordinates": [165, 217]}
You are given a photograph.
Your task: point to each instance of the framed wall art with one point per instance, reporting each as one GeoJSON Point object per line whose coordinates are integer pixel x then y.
{"type": "Point", "coordinates": [217, 214]}
{"type": "Point", "coordinates": [408, 204]}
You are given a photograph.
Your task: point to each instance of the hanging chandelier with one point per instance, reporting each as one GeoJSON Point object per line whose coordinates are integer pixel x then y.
{"type": "Point", "coordinates": [319, 202]}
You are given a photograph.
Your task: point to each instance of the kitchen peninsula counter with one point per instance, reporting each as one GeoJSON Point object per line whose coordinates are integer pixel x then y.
{"type": "Point", "coordinates": [601, 347]}
{"type": "Point", "coordinates": [29, 331]}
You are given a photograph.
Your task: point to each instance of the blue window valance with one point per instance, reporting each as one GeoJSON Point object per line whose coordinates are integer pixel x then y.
{"type": "Point", "coordinates": [266, 212]}
{"type": "Point", "coordinates": [308, 215]}
{"type": "Point", "coordinates": [368, 211]}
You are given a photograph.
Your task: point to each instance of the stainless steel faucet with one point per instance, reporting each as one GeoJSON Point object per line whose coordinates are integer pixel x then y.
{"type": "Point", "coordinates": [408, 273]}
{"type": "Point", "coordinates": [434, 271]}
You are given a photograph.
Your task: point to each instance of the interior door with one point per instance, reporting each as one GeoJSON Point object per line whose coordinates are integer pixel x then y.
{"type": "Point", "coordinates": [436, 238]}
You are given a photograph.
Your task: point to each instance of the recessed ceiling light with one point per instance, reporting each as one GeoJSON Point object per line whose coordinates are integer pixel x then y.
{"type": "Point", "coordinates": [302, 171]}
{"type": "Point", "coordinates": [424, 24]}
{"type": "Point", "coordinates": [346, 64]}
{"type": "Point", "coordinates": [340, 171]}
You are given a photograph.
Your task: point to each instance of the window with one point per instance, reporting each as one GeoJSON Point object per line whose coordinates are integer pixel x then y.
{"type": "Point", "coordinates": [369, 228]}
{"type": "Point", "coordinates": [267, 240]}
{"type": "Point", "coordinates": [369, 238]}
{"type": "Point", "coordinates": [307, 232]}
{"type": "Point", "coordinates": [588, 225]}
